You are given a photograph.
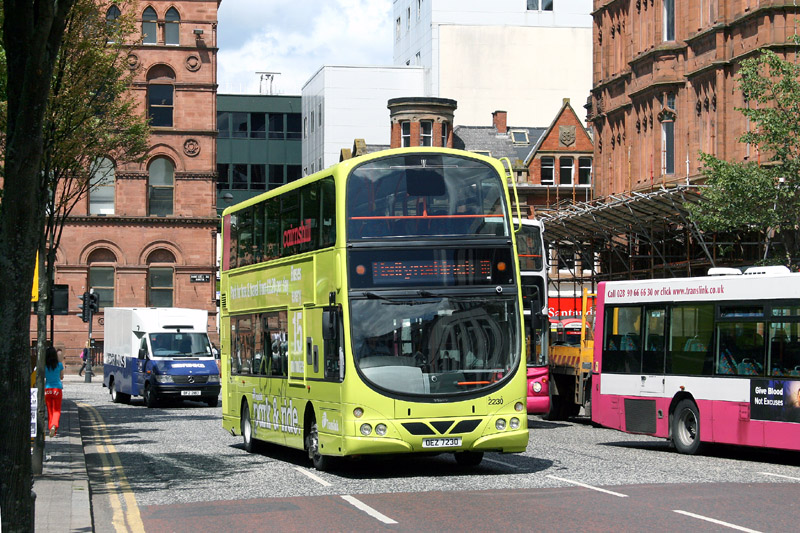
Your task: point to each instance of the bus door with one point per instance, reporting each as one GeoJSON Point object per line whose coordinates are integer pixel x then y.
{"type": "Point", "coordinates": [653, 349]}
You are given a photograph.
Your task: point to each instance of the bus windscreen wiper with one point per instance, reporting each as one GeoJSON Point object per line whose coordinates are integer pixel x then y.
{"type": "Point", "coordinates": [396, 301]}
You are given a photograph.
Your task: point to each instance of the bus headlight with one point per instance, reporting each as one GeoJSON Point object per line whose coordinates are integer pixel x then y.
{"type": "Point", "coordinates": [500, 424]}
{"type": "Point", "coordinates": [164, 378]}
{"type": "Point", "coordinates": [366, 429]}
{"type": "Point", "coordinates": [537, 387]}
{"type": "Point", "coordinates": [213, 379]}
{"type": "Point", "coordinates": [514, 424]}
{"type": "Point", "coordinates": [519, 407]}
{"type": "Point", "coordinates": [380, 429]}
{"type": "Point", "coordinates": [358, 412]}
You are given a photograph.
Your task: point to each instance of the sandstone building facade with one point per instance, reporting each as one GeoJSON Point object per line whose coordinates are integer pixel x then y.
{"type": "Point", "coordinates": [147, 236]}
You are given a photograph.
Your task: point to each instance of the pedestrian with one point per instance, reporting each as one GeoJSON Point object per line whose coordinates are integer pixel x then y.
{"type": "Point", "coordinates": [84, 359]}
{"type": "Point", "coordinates": [53, 388]}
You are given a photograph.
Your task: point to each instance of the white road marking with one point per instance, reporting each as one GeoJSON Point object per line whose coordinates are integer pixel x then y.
{"type": "Point", "coordinates": [509, 465]}
{"type": "Point", "coordinates": [718, 522]}
{"type": "Point", "coordinates": [780, 475]}
{"type": "Point", "coordinates": [584, 485]}
{"type": "Point", "coordinates": [367, 509]}
{"type": "Point", "coordinates": [313, 476]}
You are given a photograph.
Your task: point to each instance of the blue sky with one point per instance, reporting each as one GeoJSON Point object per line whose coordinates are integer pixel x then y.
{"type": "Point", "coordinates": [296, 38]}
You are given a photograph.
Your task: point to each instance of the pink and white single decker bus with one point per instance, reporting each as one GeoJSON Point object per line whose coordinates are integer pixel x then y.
{"type": "Point", "coordinates": [705, 359]}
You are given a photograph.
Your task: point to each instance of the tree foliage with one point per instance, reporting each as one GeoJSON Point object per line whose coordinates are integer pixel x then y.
{"type": "Point", "coordinates": [762, 196]}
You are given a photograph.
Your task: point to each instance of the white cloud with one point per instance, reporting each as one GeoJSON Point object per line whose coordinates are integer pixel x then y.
{"type": "Point", "coordinates": [297, 38]}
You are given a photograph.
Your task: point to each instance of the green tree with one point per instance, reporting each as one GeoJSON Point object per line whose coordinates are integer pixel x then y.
{"type": "Point", "coordinates": [91, 116]}
{"type": "Point", "coordinates": [32, 33]}
{"type": "Point", "coordinates": [762, 197]}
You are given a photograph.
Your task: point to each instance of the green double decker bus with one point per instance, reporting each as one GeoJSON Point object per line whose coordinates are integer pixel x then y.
{"type": "Point", "coordinates": [374, 308]}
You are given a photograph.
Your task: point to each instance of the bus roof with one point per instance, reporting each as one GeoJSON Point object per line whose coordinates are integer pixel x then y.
{"type": "Point", "coordinates": [348, 164]}
{"type": "Point", "coordinates": [706, 288]}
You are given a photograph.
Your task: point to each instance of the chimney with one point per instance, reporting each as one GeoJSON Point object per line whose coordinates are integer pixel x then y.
{"type": "Point", "coordinates": [499, 121]}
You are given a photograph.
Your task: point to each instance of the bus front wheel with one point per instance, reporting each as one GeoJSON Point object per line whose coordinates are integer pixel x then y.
{"type": "Point", "coordinates": [321, 462]}
{"type": "Point", "coordinates": [247, 429]}
{"type": "Point", "coordinates": [686, 427]}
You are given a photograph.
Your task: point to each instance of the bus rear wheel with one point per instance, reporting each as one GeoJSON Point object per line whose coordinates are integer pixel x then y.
{"type": "Point", "coordinates": [321, 462]}
{"type": "Point", "coordinates": [686, 427]}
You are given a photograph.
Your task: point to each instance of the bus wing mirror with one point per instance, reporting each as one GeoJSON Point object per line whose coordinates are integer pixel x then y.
{"type": "Point", "coordinates": [330, 323]}
{"type": "Point", "coordinates": [537, 315]}
{"type": "Point", "coordinates": [142, 353]}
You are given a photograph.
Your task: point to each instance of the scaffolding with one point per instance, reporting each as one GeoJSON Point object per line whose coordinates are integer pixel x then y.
{"type": "Point", "coordinates": [640, 235]}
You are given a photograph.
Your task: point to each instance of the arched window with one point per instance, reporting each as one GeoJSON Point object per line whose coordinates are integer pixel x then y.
{"type": "Point", "coordinates": [101, 275]}
{"type": "Point", "coordinates": [172, 27]}
{"type": "Point", "coordinates": [160, 278]}
{"type": "Point", "coordinates": [160, 93]}
{"type": "Point", "coordinates": [160, 187]}
{"type": "Point", "coordinates": [149, 26]}
{"type": "Point", "coordinates": [112, 15]}
{"type": "Point", "coordinates": [101, 187]}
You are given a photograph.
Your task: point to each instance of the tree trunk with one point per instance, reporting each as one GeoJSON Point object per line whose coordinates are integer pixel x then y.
{"type": "Point", "coordinates": [32, 34]}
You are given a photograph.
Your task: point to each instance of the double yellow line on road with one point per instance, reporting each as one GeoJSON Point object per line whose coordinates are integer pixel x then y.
{"type": "Point", "coordinates": [126, 515]}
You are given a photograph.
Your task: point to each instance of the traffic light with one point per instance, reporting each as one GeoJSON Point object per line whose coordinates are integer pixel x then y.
{"type": "Point", "coordinates": [85, 307]}
{"type": "Point", "coordinates": [94, 303]}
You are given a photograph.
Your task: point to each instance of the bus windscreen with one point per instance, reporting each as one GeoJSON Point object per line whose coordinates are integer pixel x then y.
{"type": "Point", "coordinates": [424, 195]}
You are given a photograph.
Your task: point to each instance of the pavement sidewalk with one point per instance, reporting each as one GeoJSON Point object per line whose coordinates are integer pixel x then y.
{"type": "Point", "coordinates": [63, 502]}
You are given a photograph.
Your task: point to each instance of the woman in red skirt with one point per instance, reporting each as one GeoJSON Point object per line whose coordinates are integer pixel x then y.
{"type": "Point", "coordinates": [53, 387]}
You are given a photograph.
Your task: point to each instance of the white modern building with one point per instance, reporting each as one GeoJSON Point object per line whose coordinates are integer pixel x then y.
{"type": "Point", "coordinates": [341, 104]}
{"type": "Point", "coordinates": [523, 56]}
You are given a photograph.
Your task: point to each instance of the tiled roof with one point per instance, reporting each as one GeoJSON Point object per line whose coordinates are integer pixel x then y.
{"type": "Point", "coordinates": [486, 138]}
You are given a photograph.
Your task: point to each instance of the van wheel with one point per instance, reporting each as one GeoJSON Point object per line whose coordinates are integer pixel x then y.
{"type": "Point", "coordinates": [150, 399]}
{"type": "Point", "coordinates": [212, 402]}
{"type": "Point", "coordinates": [686, 427]}
{"type": "Point", "coordinates": [468, 459]}
{"type": "Point", "coordinates": [323, 463]}
{"type": "Point", "coordinates": [116, 396]}
{"type": "Point", "coordinates": [247, 429]}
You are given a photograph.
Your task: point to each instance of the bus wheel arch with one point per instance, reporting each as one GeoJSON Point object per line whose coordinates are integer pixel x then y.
{"type": "Point", "coordinates": [684, 426]}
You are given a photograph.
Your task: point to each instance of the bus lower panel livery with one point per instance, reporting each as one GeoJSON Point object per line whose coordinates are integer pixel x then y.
{"type": "Point", "coordinates": [696, 360]}
{"type": "Point", "coordinates": [374, 308]}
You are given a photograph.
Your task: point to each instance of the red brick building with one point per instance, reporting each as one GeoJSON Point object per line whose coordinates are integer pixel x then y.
{"type": "Point", "coordinates": [421, 121]}
{"type": "Point", "coordinates": [560, 164]}
{"type": "Point", "coordinates": [664, 84]}
{"type": "Point", "coordinates": [147, 236]}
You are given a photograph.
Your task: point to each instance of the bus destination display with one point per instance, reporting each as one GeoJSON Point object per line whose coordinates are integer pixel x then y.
{"type": "Point", "coordinates": [422, 272]}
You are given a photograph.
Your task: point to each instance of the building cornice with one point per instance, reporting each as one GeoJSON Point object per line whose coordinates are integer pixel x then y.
{"type": "Point", "coordinates": [656, 85]}
{"type": "Point", "coordinates": [662, 49]}
{"type": "Point", "coordinates": [616, 78]}
{"type": "Point", "coordinates": [121, 220]}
